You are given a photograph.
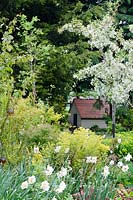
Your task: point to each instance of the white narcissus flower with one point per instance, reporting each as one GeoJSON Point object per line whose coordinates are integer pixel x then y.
{"type": "Point", "coordinates": [62, 173]}
{"type": "Point", "coordinates": [57, 149]}
{"type": "Point", "coordinates": [36, 149]}
{"type": "Point", "coordinates": [125, 168]}
{"type": "Point", "coordinates": [119, 140]}
{"type": "Point", "coordinates": [112, 162]}
{"type": "Point", "coordinates": [49, 170]}
{"type": "Point", "coordinates": [24, 185]}
{"type": "Point", "coordinates": [88, 159]}
{"type": "Point", "coordinates": [111, 151]}
{"type": "Point", "coordinates": [61, 187]}
{"type": "Point", "coordinates": [91, 159]}
{"type": "Point", "coordinates": [45, 186]}
{"type": "Point", "coordinates": [120, 164]}
{"type": "Point", "coordinates": [31, 179]}
{"type": "Point", "coordinates": [94, 160]}
{"type": "Point", "coordinates": [54, 198]}
{"type": "Point", "coordinates": [128, 157]}
{"type": "Point", "coordinates": [106, 171]}
{"type": "Point", "coordinates": [67, 150]}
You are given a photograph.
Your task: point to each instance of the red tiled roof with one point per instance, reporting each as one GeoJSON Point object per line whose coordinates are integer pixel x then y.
{"type": "Point", "coordinates": [86, 108]}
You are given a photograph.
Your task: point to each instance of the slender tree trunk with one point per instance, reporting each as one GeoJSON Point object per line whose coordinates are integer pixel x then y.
{"type": "Point", "coordinates": [113, 119]}
{"type": "Point", "coordinates": [33, 83]}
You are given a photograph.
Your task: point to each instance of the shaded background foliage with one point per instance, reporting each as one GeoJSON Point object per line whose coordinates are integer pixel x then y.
{"type": "Point", "coordinates": [63, 54]}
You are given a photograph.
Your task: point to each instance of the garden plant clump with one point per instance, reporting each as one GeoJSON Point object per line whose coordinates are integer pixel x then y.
{"type": "Point", "coordinates": [42, 176]}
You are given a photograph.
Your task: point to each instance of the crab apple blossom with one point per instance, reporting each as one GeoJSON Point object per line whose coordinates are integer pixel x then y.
{"type": "Point", "coordinates": [112, 78]}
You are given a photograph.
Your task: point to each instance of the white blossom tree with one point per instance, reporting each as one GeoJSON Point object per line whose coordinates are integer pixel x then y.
{"type": "Point", "coordinates": [112, 78]}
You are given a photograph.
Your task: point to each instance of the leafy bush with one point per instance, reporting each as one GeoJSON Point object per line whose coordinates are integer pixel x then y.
{"type": "Point", "coordinates": [127, 143]}
{"type": "Point", "coordinates": [80, 144]}
{"type": "Point", "coordinates": [124, 116]}
{"type": "Point", "coordinates": [126, 146]}
{"type": "Point", "coordinates": [23, 123]}
{"type": "Point", "coordinates": [118, 128]}
{"type": "Point", "coordinates": [41, 135]}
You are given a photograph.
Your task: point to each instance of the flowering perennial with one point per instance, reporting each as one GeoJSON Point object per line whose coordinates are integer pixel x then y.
{"type": "Point", "coordinates": [61, 187]}
{"type": "Point", "coordinates": [45, 186]}
{"type": "Point", "coordinates": [49, 170]}
{"type": "Point", "coordinates": [57, 149]}
{"type": "Point", "coordinates": [24, 185]}
{"type": "Point", "coordinates": [31, 179]}
{"type": "Point", "coordinates": [91, 159]}
{"type": "Point", "coordinates": [62, 173]}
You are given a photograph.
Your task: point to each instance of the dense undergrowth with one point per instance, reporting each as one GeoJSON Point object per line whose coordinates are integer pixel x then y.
{"type": "Point", "coordinates": [42, 159]}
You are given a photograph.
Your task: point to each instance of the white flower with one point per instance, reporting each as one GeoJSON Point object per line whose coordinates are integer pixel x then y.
{"type": "Point", "coordinates": [36, 149]}
{"type": "Point", "coordinates": [57, 149]}
{"type": "Point", "coordinates": [120, 164]}
{"type": "Point", "coordinates": [45, 186]}
{"type": "Point", "coordinates": [125, 168]}
{"type": "Point", "coordinates": [61, 187]}
{"type": "Point", "coordinates": [112, 162]}
{"type": "Point", "coordinates": [91, 159]}
{"type": "Point", "coordinates": [88, 159]}
{"type": "Point", "coordinates": [67, 150]}
{"type": "Point", "coordinates": [24, 185]}
{"type": "Point", "coordinates": [128, 157]}
{"type": "Point", "coordinates": [111, 151]}
{"type": "Point", "coordinates": [62, 173]}
{"type": "Point", "coordinates": [31, 179]}
{"type": "Point", "coordinates": [106, 171]}
{"type": "Point", "coordinates": [119, 140]}
{"type": "Point", "coordinates": [54, 198]}
{"type": "Point", "coordinates": [49, 170]}
{"type": "Point", "coordinates": [94, 160]}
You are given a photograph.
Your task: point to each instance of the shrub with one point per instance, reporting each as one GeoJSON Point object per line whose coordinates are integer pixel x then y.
{"type": "Point", "coordinates": [124, 116]}
{"type": "Point", "coordinates": [23, 123]}
{"type": "Point", "coordinates": [41, 135]}
{"type": "Point", "coordinates": [127, 143]}
{"type": "Point", "coordinates": [126, 146]}
{"type": "Point", "coordinates": [81, 143]}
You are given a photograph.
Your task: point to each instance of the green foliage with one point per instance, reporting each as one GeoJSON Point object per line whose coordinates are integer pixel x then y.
{"type": "Point", "coordinates": [124, 116]}
{"type": "Point", "coordinates": [23, 123]}
{"type": "Point", "coordinates": [118, 128]}
{"type": "Point", "coordinates": [97, 185]}
{"type": "Point", "coordinates": [41, 135]}
{"type": "Point", "coordinates": [124, 17]}
{"type": "Point", "coordinates": [127, 178]}
{"type": "Point", "coordinates": [127, 143]}
{"type": "Point", "coordinates": [11, 180]}
{"type": "Point", "coordinates": [81, 143]}
{"type": "Point", "coordinates": [123, 148]}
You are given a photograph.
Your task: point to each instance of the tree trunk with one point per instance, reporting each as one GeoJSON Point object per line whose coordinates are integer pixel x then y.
{"type": "Point", "coordinates": [113, 119]}
{"type": "Point", "coordinates": [33, 81]}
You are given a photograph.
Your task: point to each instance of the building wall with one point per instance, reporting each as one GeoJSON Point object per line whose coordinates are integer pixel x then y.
{"type": "Point", "coordinates": [88, 123]}
{"type": "Point", "coordinates": [74, 111]}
